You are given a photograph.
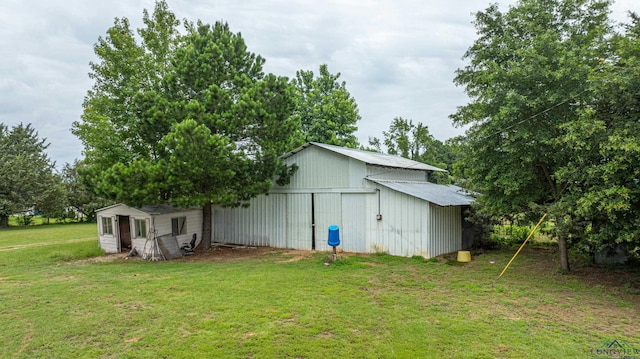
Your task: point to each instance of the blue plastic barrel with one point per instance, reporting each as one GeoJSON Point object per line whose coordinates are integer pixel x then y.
{"type": "Point", "coordinates": [334, 236]}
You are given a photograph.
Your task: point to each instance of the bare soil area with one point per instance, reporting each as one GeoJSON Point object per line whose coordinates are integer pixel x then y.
{"type": "Point", "coordinates": [237, 253]}
{"type": "Point", "coordinates": [536, 260]}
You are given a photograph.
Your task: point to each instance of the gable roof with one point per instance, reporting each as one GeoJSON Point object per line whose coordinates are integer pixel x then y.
{"type": "Point", "coordinates": [162, 209]}
{"type": "Point", "coordinates": [371, 158]}
{"type": "Point", "coordinates": [150, 209]}
{"type": "Point", "coordinates": [442, 195]}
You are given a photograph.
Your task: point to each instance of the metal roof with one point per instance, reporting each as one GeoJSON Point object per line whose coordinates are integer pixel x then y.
{"type": "Point", "coordinates": [162, 209]}
{"type": "Point", "coordinates": [442, 195]}
{"type": "Point", "coordinates": [151, 209]}
{"type": "Point", "coordinates": [371, 158]}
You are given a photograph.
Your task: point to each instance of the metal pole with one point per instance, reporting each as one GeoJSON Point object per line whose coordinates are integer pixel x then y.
{"type": "Point", "coordinates": [522, 246]}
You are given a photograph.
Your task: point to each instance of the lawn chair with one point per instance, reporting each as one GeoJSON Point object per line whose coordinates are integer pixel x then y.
{"type": "Point", "coordinates": [189, 248]}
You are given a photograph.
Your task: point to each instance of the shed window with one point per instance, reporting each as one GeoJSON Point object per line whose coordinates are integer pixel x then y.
{"type": "Point", "coordinates": [107, 225]}
{"type": "Point", "coordinates": [178, 225]}
{"type": "Point", "coordinates": [140, 228]}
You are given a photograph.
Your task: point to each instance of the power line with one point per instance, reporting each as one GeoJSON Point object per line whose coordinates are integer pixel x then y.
{"type": "Point", "coordinates": [535, 115]}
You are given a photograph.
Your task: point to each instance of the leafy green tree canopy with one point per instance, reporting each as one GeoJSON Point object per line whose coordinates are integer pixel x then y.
{"type": "Point", "coordinates": [27, 177]}
{"type": "Point", "coordinates": [324, 109]}
{"type": "Point", "coordinates": [527, 76]}
{"type": "Point", "coordinates": [189, 119]}
{"type": "Point", "coordinates": [604, 169]}
{"type": "Point", "coordinates": [80, 198]}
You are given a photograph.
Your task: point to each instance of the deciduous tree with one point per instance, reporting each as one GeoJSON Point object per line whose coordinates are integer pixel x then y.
{"type": "Point", "coordinates": [324, 109]}
{"type": "Point", "coordinates": [79, 195]}
{"type": "Point", "coordinates": [189, 119]}
{"type": "Point", "coordinates": [526, 78]}
{"type": "Point", "coordinates": [414, 141]}
{"type": "Point", "coordinates": [604, 170]}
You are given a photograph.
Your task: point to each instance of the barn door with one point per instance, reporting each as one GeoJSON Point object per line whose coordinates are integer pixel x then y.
{"type": "Point", "coordinates": [326, 211]}
{"type": "Point", "coordinates": [124, 233]}
{"type": "Point", "coordinates": [309, 217]}
{"type": "Point", "coordinates": [299, 223]}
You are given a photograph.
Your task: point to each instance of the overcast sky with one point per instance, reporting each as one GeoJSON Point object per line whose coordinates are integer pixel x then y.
{"type": "Point", "coordinates": [397, 57]}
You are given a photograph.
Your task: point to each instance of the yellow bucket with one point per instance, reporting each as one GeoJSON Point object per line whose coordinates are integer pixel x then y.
{"type": "Point", "coordinates": [464, 256]}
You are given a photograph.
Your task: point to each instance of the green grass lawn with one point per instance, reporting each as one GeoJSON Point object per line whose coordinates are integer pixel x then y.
{"type": "Point", "coordinates": [19, 236]}
{"type": "Point", "coordinates": [18, 221]}
{"type": "Point", "coordinates": [256, 303]}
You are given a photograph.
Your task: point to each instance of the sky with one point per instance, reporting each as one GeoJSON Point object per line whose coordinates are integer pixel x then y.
{"type": "Point", "coordinates": [397, 58]}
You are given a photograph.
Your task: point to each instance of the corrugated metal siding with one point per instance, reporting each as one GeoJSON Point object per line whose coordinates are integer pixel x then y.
{"type": "Point", "coordinates": [328, 211]}
{"type": "Point", "coordinates": [385, 173]}
{"type": "Point", "coordinates": [445, 230]}
{"type": "Point", "coordinates": [318, 168]}
{"type": "Point", "coordinates": [401, 228]}
{"type": "Point", "coordinates": [276, 214]}
{"type": "Point", "coordinates": [353, 233]}
{"type": "Point", "coordinates": [374, 228]}
{"type": "Point", "coordinates": [299, 221]}
{"type": "Point", "coordinates": [411, 226]}
{"type": "Point", "coordinates": [260, 224]}
{"type": "Point", "coordinates": [283, 219]}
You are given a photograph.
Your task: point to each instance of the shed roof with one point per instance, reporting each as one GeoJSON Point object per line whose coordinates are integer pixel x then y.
{"type": "Point", "coordinates": [442, 195]}
{"type": "Point", "coordinates": [162, 209]}
{"type": "Point", "coordinates": [371, 158]}
{"type": "Point", "coordinates": [151, 209]}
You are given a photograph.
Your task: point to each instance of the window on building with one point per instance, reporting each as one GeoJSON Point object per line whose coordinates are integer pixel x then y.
{"type": "Point", "coordinates": [179, 226]}
{"type": "Point", "coordinates": [140, 228]}
{"type": "Point", "coordinates": [107, 225]}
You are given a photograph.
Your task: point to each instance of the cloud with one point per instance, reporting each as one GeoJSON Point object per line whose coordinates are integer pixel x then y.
{"type": "Point", "coordinates": [397, 57]}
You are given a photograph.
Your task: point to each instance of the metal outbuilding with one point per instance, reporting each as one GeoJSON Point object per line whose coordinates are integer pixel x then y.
{"type": "Point", "coordinates": [381, 203]}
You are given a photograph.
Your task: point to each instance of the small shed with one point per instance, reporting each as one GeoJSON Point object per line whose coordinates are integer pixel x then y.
{"type": "Point", "coordinates": [122, 228]}
{"type": "Point", "coordinates": [381, 203]}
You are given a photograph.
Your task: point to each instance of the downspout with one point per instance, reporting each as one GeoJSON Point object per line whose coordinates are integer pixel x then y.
{"type": "Point", "coordinates": [378, 215]}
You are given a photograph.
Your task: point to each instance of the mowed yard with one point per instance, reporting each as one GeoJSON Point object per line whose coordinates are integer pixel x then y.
{"type": "Point", "coordinates": [61, 298]}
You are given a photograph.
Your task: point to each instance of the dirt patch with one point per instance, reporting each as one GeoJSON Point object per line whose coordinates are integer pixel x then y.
{"type": "Point", "coordinates": [538, 262]}
{"type": "Point", "coordinates": [105, 258]}
{"type": "Point", "coordinates": [296, 255]}
{"type": "Point", "coordinates": [228, 254]}
{"type": "Point", "coordinates": [218, 254]}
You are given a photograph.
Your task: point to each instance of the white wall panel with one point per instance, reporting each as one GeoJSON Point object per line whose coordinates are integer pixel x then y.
{"type": "Point", "coordinates": [386, 173]}
{"type": "Point", "coordinates": [411, 226]}
{"type": "Point", "coordinates": [318, 168]}
{"type": "Point", "coordinates": [193, 224]}
{"type": "Point", "coordinates": [299, 220]}
{"type": "Point", "coordinates": [276, 220]}
{"type": "Point", "coordinates": [328, 212]}
{"type": "Point", "coordinates": [353, 232]}
{"type": "Point", "coordinates": [401, 225]}
{"type": "Point", "coordinates": [445, 229]}
{"type": "Point", "coordinates": [161, 223]}
{"type": "Point", "coordinates": [260, 224]}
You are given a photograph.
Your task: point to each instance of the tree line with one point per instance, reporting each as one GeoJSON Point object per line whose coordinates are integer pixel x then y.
{"type": "Point", "coordinates": [187, 116]}
{"type": "Point", "coordinates": [30, 184]}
